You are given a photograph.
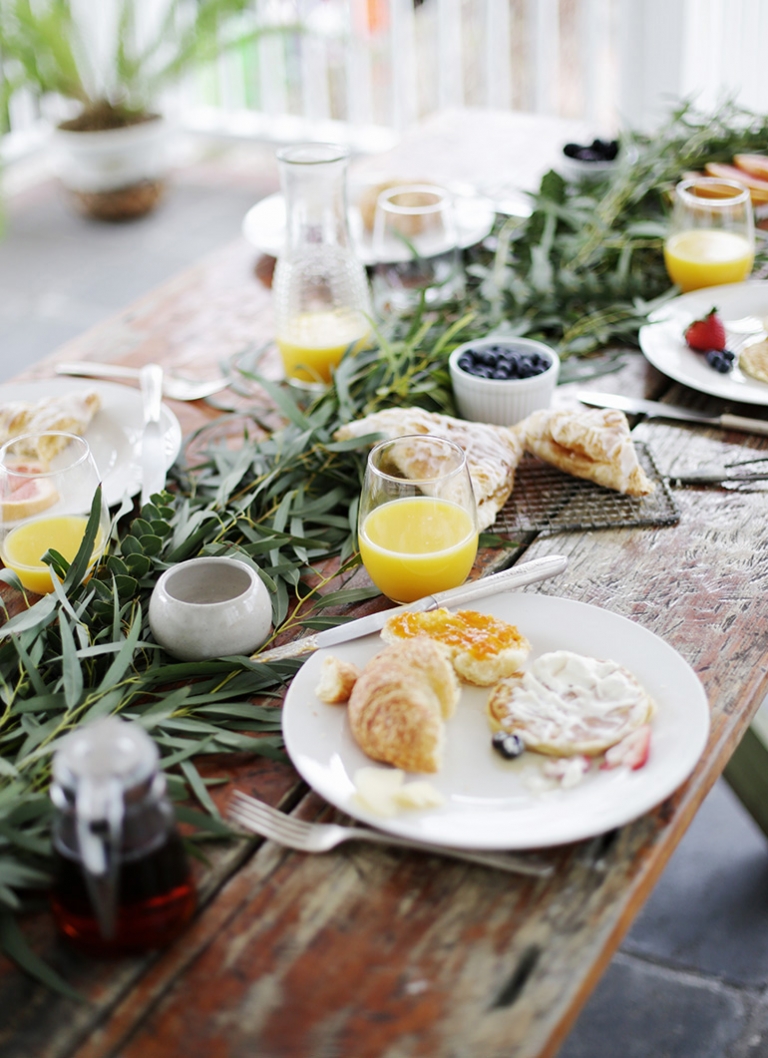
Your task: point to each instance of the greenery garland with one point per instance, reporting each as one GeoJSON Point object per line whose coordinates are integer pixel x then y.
{"type": "Point", "coordinates": [580, 273]}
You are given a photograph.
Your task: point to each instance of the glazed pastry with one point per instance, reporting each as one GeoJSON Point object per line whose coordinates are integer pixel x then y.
{"type": "Point", "coordinates": [399, 704]}
{"type": "Point", "coordinates": [567, 704]}
{"type": "Point", "coordinates": [70, 413]}
{"type": "Point", "coordinates": [595, 445]}
{"type": "Point", "coordinates": [483, 649]}
{"type": "Point", "coordinates": [493, 452]}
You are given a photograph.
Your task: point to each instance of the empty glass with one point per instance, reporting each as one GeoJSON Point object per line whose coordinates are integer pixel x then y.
{"type": "Point", "coordinates": [416, 249]}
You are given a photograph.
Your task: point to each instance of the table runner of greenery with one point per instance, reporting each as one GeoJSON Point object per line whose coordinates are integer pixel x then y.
{"type": "Point", "coordinates": [580, 273]}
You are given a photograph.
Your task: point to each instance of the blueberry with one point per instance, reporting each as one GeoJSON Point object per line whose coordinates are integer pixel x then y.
{"type": "Point", "coordinates": [509, 746]}
{"type": "Point", "coordinates": [719, 362]}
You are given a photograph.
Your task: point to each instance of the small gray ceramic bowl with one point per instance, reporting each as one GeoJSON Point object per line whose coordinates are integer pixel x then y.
{"type": "Point", "coordinates": [209, 608]}
{"type": "Point", "coordinates": [503, 401]}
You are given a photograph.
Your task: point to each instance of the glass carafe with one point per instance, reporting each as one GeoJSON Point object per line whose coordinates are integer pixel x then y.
{"type": "Point", "coordinates": [122, 881]}
{"type": "Point", "coordinates": [321, 295]}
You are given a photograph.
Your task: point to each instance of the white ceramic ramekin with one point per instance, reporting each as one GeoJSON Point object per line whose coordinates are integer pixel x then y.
{"type": "Point", "coordinates": [208, 608]}
{"type": "Point", "coordinates": [503, 401]}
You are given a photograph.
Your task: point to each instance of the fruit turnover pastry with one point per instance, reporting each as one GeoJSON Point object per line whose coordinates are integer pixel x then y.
{"type": "Point", "coordinates": [493, 452]}
{"type": "Point", "coordinates": [482, 648]}
{"type": "Point", "coordinates": [566, 704]}
{"type": "Point", "coordinates": [595, 445]}
{"type": "Point", "coordinates": [69, 413]}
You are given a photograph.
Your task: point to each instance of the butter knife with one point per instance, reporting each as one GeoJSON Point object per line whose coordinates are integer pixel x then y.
{"type": "Point", "coordinates": [152, 441]}
{"type": "Point", "coordinates": [509, 579]}
{"type": "Point", "coordinates": [657, 410]}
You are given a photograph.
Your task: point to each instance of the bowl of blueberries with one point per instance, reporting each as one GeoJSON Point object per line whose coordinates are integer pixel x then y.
{"type": "Point", "coordinates": [588, 161]}
{"type": "Point", "coordinates": [502, 380]}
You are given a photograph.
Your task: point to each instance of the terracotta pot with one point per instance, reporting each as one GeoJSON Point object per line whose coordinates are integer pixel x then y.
{"type": "Point", "coordinates": [114, 174]}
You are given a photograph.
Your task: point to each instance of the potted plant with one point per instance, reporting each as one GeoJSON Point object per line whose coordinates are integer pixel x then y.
{"type": "Point", "coordinates": [111, 153]}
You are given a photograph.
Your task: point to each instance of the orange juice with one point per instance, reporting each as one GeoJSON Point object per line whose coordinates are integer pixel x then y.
{"type": "Point", "coordinates": [314, 342]}
{"type": "Point", "coordinates": [25, 546]}
{"type": "Point", "coordinates": [704, 257]}
{"type": "Point", "coordinates": [416, 546]}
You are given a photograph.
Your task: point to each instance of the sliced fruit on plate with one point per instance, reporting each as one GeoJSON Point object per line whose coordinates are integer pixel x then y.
{"type": "Point", "coordinates": [754, 164]}
{"type": "Point", "coordinates": [23, 497]}
{"type": "Point", "coordinates": [758, 189]}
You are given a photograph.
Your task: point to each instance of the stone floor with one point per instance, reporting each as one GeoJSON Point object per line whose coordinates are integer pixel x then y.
{"type": "Point", "coordinates": [691, 978]}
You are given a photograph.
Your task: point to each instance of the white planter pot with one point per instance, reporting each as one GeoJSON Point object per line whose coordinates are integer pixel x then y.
{"type": "Point", "coordinates": [112, 159]}
{"type": "Point", "coordinates": [113, 174]}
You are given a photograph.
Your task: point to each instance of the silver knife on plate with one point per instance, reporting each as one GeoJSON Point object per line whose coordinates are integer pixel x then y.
{"type": "Point", "coordinates": [657, 410]}
{"type": "Point", "coordinates": [152, 440]}
{"type": "Point", "coordinates": [516, 577]}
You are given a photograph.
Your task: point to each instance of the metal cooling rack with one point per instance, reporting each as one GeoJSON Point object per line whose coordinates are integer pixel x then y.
{"type": "Point", "coordinates": [546, 499]}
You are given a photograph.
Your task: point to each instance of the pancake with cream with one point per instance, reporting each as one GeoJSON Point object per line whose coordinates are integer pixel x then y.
{"type": "Point", "coordinates": [567, 704]}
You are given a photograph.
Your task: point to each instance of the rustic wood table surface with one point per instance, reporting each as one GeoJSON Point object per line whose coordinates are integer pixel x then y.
{"type": "Point", "coordinates": [368, 952]}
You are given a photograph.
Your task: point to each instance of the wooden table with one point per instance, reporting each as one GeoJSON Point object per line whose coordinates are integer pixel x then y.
{"type": "Point", "coordinates": [376, 953]}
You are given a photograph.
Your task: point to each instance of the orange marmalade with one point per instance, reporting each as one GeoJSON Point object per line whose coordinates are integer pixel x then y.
{"type": "Point", "coordinates": [481, 635]}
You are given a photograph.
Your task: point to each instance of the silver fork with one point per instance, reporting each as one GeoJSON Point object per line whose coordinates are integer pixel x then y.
{"type": "Point", "coordinates": [321, 837]}
{"type": "Point", "coordinates": [174, 386]}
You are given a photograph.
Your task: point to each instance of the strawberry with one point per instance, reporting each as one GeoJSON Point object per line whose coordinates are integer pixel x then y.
{"type": "Point", "coordinates": [632, 751]}
{"type": "Point", "coordinates": [706, 333]}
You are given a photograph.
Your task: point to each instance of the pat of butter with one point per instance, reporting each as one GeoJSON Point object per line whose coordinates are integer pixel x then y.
{"type": "Point", "coordinates": [383, 792]}
{"type": "Point", "coordinates": [419, 794]}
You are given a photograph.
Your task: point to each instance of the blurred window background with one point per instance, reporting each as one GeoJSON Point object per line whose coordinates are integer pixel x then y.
{"type": "Point", "coordinates": [365, 70]}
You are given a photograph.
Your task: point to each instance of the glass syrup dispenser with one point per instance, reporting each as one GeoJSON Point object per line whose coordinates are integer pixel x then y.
{"type": "Point", "coordinates": [122, 879]}
{"type": "Point", "coordinates": [321, 294]}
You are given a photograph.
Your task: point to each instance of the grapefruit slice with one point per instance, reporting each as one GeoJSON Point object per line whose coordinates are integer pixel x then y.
{"type": "Point", "coordinates": [754, 164]}
{"type": "Point", "coordinates": [758, 189]}
{"type": "Point", "coordinates": [23, 497]}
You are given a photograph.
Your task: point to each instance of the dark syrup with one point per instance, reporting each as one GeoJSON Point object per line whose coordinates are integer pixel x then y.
{"type": "Point", "coordinates": [156, 900]}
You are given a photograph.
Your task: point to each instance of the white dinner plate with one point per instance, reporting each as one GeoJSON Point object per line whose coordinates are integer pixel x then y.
{"type": "Point", "coordinates": [662, 340]}
{"type": "Point", "coordinates": [489, 803]}
{"type": "Point", "coordinates": [114, 434]}
{"type": "Point", "coordinates": [264, 223]}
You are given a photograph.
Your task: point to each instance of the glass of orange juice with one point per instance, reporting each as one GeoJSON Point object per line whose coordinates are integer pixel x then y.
{"type": "Point", "coordinates": [45, 502]}
{"type": "Point", "coordinates": [712, 238]}
{"type": "Point", "coordinates": [417, 522]}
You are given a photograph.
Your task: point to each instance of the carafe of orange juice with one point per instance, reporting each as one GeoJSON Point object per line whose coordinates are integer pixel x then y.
{"type": "Point", "coordinates": [122, 881]}
{"type": "Point", "coordinates": [321, 294]}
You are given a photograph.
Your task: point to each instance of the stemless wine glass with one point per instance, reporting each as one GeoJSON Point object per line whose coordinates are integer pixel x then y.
{"type": "Point", "coordinates": [417, 524]}
{"type": "Point", "coordinates": [416, 249]}
{"type": "Point", "coordinates": [712, 238]}
{"type": "Point", "coordinates": [45, 504]}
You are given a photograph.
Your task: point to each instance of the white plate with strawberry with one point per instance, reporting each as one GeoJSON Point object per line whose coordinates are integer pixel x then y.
{"type": "Point", "coordinates": [664, 343]}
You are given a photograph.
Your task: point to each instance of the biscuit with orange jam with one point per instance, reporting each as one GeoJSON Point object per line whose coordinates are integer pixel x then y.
{"type": "Point", "coordinates": [483, 648]}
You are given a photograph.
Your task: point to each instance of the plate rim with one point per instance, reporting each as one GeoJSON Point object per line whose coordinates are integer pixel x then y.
{"type": "Point", "coordinates": [407, 824]}
{"type": "Point", "coordinates": [364, 254]}
{"type": "Point", "coordinates": [172, 433]}
{"type": "Point", "coordinates": [750, 391]}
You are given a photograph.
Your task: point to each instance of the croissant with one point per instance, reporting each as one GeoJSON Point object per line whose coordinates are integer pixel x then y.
{"type": "Point", "coordinates": [399, 703]}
